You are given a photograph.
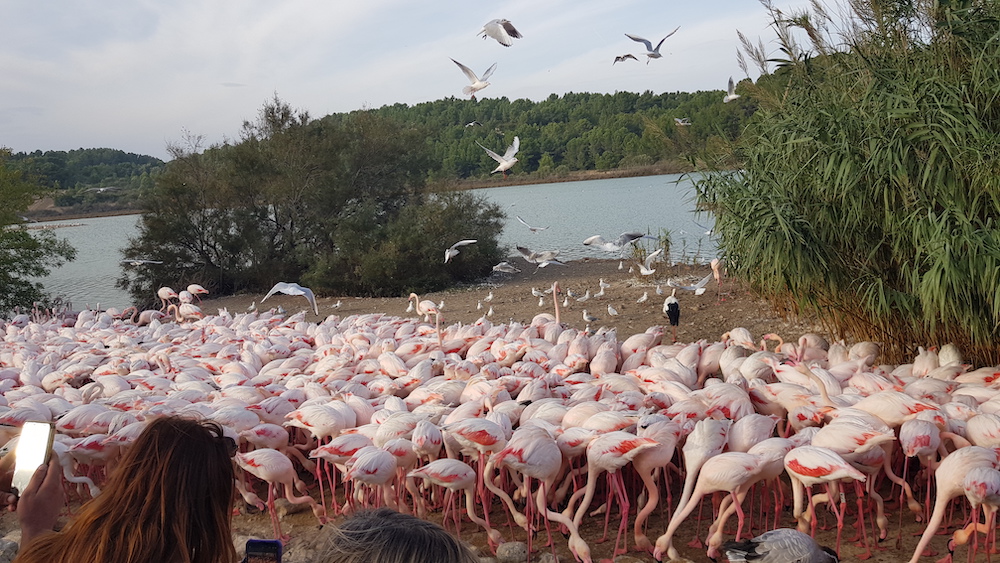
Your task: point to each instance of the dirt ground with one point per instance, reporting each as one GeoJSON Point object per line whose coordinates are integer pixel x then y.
{"type": "Point", "coordinates": [707, 316]}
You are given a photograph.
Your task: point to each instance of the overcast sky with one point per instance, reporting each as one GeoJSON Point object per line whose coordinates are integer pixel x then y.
{"type": "Point", "coordinates": [136, 75]}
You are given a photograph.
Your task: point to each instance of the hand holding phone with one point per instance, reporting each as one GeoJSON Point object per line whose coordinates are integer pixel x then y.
{"type": "Point", "coordinates": [263, 551]}
{"type": "Point", "coordinates": [34, 447]}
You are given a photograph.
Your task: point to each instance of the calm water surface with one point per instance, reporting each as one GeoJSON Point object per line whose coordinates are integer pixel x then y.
{"type": "Point", "coordinates": [573, 211]}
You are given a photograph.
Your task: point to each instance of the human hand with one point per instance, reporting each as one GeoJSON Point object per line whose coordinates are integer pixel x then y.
{"type": "Point", "coordinates": [40, 503]}
{"type": "Point", "coordinates": [7, 498]}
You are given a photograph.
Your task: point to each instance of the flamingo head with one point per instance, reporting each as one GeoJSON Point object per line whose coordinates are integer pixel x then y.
{"type": "Point", "coordinates": [579, 549]}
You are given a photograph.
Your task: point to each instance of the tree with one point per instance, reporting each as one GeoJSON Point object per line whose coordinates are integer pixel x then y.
{"type": "Point", "coordinates": [23, 253]}
{"type": "Point", "coordinates": [333, 203]}
{"type": "Point", "coordinates": [868, 192]}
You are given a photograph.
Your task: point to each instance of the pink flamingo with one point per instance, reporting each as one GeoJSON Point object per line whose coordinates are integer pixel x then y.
{"type": "Point", "coordinates": [197, 291]}
{"type": "Point", "coordinates": [708, 438]}
{"type": "Point", "coordinates": [453, 475]}
{"type": "Point", "coordinates": [982, 488]}
{"type": "Point", "coordinates": [734, 472]}
{"type": "Point", "coordinates": [666, 434]}
{"type": "Point", "coordinates": [810, 465]}
{"type": "Point", "coordinates": [950, 478]}
{"type": "Point", "coordinates": [275, 468]}
{"type": "Point", "coordinates": [165, 294]}
{"type": "Point", "coordinates": [610, 452]}
{"type": "Point", "coordinates": [374, 467]}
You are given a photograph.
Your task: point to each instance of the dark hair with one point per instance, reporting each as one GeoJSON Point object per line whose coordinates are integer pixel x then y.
{"type": "Point", "coordinates": [170, 499]}
{"type": "Point", "coordinates": [387, 536]}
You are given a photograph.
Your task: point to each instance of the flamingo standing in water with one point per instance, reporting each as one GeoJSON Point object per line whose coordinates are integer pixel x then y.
{"type": "Point", "coordinates": [276, 469]}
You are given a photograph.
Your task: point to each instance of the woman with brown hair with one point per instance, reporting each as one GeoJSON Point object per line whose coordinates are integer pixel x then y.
{"type": "Point", "coordinates": [387, 536]}
{"type": "Point", "coordinates": [169, 500]}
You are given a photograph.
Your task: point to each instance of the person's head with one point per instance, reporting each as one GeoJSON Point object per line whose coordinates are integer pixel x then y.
{"type": "Point", "coordinates": [387, 536]}
{"type": "Point", "coordinates": [169, 499]}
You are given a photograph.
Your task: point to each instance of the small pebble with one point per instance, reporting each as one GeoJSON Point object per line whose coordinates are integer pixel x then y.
{"type": "Point", "coordinates": [512, 552]}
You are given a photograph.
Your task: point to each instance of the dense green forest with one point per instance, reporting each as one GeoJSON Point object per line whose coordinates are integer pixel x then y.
{"type": "Point", "coordinates": [574, 132]}
{"type": "Point", "coordinates": [559, 135]}
{"type": "Point", "coordinates": [90, 179]}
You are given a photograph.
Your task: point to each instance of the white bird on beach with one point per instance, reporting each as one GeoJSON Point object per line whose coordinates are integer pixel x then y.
{"type": "Point", "coordinates": [731, 92]}
{"type": "Point", "coordinates": [589, 318]}
{"type": "Point", "coordinates": [475, 83]}
{"type": "Point", "coordinates": [452, 251]}
{"type": "Point", "coordinates": [585, 297]}
{"type": "Point", "coordinates": [644, 298]}
{"type": "Point", "coordinates": [612, 311]}
{"type": "Point", "coordinates": [290, 288]}
{"type": "Point", "coordinates": [646, 268]}
{"type": "Point", "coordinates": [651, 53]}
{"type": "Point", "coordinates": [505, 162]}
{"type": "Point", "coordinates": [501, 30]}
{"type": "Point", "coordinates": [489, 297]}
{"type": "Point", "coordinates": [530, 228]}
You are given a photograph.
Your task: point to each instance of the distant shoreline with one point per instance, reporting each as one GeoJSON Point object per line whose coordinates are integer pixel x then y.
{"type": "Point", "coordinates": [43, 211]}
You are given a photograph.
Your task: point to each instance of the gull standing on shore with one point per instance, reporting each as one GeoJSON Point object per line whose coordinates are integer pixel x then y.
{"type": "Point", "coordinates": [501, 30]}
{"type": "Point", "coordinates": [475, 83]}
{"type": "Point", "coordinates": [651, 53]}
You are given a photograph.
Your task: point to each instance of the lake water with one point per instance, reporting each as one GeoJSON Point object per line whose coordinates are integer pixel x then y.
{"type": "Point", "coordinates": [573, 211]}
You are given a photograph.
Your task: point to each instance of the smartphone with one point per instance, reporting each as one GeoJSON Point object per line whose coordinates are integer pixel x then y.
{"type": "Point", "coordinates": [34, 446]}
{"type": "Point", "coordinates": [263, 551]}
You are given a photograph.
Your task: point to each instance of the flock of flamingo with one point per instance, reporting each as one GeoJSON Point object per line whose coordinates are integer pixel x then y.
{"type": "Point", "coordinates": [550, 428]}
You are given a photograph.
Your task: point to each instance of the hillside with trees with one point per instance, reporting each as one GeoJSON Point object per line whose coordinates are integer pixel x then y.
{"type": "Point", "coordinates": [337, 204]}
{"type": "Point", "coordinates": [89, 180]}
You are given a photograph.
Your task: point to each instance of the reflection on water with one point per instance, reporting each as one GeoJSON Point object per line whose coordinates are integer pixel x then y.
{"type": "Point", "coordinates": [90, 279]}
{"type": "Point", "coordinates": [572, 211]}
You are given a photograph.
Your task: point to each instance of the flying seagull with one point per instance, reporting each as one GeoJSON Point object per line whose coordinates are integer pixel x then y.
{"type": "Point", "coordinates": [472, 124]}
{"type": "Point", "coordinates": [697, 288]}
{"type": "Point", "coordinates": [475, 83]}
{"type": "Point", "coordinates": [501, 30]}
{"type": "Point", "coordinates": [530, 228]}
{"type": "Point", "coordinates": [452, 251]}
{"type": "Point", "coordinates": [505, 267]}
{"type": "Point", "coordinates": [505, 162]}
{"type": "Point", "coordinates": [597, 241]}
{"type": "Point", "coordinates": [730, 93]}
{"type": "Point", "coordinates": [646, 268]}
{"type": "Point", "coordinates": [289, 288]}
{"type": "Point", "coordinates": [140, 261]}
{"type": "Point", "coordinates": [623, 58]}
{"type": "Point", "coordinates": [542, 259]}
{"type": "Point", "coordinates": [651, 53]}
{"type": "Point", "coordinates": [681, 121]}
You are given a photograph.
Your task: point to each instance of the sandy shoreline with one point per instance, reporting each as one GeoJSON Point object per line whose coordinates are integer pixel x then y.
{"type": "Point", "coordinates": [702, 317]}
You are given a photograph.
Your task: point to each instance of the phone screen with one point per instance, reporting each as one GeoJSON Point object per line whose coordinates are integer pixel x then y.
{"type": "Point", "coordinates": [33, 447]}
{"type": "Point", "coordinates": [263, 551]}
